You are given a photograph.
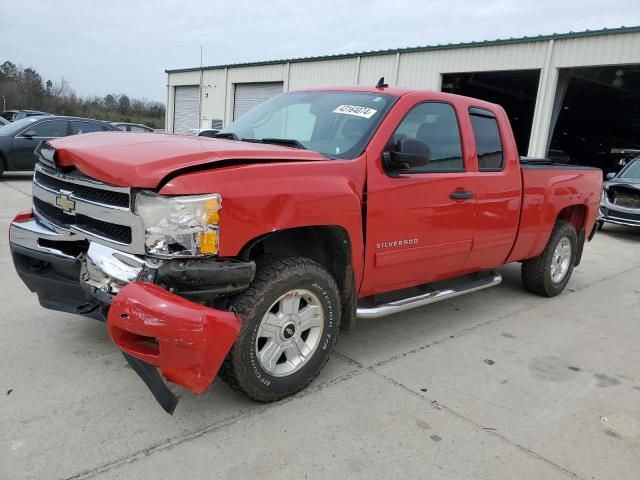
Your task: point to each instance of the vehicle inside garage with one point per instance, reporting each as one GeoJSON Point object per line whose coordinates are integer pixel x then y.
{"type": "Point", "coordinates": [596, 116]}
{"type": "Point", "coordinates": [515, 90]}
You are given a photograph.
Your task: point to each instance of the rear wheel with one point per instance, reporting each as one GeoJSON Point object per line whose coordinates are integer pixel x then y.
{"type": "Point", "coordinates": [291, 316]}
{"type": "Point", "coordinates": [549, 273]}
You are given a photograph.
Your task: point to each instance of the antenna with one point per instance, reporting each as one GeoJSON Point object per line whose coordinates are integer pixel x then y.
{"type": "Point", "coordinates": [381, 83]}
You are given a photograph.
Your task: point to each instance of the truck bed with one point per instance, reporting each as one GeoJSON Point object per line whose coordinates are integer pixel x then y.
{"type": "Point", "coordinates": [552, 190]}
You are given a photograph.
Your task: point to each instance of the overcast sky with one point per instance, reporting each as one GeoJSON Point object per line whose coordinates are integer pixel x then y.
{"type": "Point", "coordinates": [124, 46]}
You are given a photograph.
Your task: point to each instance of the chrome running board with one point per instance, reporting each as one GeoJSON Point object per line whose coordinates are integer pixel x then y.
{"type": "Point", "coordinates": [487, 280]}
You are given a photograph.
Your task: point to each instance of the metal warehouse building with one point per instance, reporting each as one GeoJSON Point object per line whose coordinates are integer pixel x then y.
{"type": "Point", "coordinates": [573, 96]}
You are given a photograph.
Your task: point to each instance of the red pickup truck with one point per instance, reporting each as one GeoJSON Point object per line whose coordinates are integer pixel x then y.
{"type": "Point", "coordinates": [245, 255]}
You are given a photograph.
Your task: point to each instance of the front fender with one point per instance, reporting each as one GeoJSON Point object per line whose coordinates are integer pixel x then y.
{"type": "Point", "coordinates": [258, 199]}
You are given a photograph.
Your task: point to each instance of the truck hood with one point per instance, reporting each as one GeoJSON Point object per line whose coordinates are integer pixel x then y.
{"type": "Point", "coordinates": [143, 160]}
{"type": "Point", "coordinates": [629, 182]}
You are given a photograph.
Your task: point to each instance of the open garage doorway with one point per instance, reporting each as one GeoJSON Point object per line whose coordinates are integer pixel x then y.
{"type": "Point", "coordinates": [515, 90]}
{"type": "Point", "coordinates": [596, 117]}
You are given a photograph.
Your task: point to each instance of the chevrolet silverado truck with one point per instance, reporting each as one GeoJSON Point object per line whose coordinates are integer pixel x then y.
{"type": "Point", "coordinates": [244, 256]}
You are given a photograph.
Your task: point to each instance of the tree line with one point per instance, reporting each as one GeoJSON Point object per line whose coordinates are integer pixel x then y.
{"type": "Point", "coordinates": [24, 88]}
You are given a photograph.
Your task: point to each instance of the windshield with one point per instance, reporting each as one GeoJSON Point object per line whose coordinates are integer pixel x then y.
{"type": "Point", "coordinates": [632, 170]}
{"type": "Point", "coordinates": [17, 126]}
{"type": "Point", "coordinates": [336, 124]}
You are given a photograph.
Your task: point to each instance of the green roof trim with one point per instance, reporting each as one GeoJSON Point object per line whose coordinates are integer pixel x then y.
{"type": "Point", "coordinates": [448, 46]}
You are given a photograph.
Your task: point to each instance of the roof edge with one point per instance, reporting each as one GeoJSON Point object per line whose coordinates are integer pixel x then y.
{"type": "Point", "coordinates": [448, 46]}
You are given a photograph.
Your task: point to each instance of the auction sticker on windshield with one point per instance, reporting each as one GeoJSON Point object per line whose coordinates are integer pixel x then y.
{"type": "Point", "coordinates": [356, 110]}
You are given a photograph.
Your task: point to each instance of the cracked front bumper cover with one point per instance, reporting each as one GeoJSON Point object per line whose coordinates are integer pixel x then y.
{"type": "Point", "coordinates": [628, 217]}
{"type": "Point", "coordinates": [187, 342]}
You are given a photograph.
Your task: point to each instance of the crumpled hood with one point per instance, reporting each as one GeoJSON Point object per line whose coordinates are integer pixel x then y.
{"type": "Point", "coordinates": [143, 160]}
{"type": "Point", "coordinates": [623, 182]}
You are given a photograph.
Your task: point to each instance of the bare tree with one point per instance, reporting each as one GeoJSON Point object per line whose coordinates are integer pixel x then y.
{"type": "Point", "coordinates": [24, 88]}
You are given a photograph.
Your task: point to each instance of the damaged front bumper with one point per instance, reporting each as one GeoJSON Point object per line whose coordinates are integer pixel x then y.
{"type": "Point", "coordinates": [186, 341]}
{"type": "Point", "coordinates": [153, 309]}
{"type": "Point", "coordinates": [620, 204]}
{"type": "Point", "coordinates": [627, 217]}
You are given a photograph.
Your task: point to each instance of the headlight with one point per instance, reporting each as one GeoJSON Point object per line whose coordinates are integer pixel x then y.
{"type": "Point", "coordinates": [179, 226]}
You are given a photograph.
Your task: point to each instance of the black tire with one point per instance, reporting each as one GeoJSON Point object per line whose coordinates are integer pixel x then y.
{"type": "Point", "coordinates": [241, 369]}
{"type": "Point", "coordinates": [536, 273]}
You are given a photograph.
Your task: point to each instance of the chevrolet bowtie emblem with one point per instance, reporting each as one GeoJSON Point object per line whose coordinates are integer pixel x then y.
{"type": "Point", "coordinates": [63, 200]}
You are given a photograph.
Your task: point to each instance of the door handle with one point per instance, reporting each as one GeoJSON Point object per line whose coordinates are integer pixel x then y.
{"type": "Point", "coordinates": [460, 195]}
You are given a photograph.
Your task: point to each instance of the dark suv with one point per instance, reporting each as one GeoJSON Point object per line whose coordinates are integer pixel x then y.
{"type": "Point", "coordinates": [19, 139]}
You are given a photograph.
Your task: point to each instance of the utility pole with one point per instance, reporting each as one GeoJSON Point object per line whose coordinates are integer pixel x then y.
{"type": "Point", "coordinates": [200, 102]}
{"type": "Point", "coordinates": [4, 103]}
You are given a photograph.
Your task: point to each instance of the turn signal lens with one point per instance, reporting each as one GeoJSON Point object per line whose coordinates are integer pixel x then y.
{"type": "Point", "coordinates": [209, 243]}
{"type": "Point", "coordinates": [211, 208]}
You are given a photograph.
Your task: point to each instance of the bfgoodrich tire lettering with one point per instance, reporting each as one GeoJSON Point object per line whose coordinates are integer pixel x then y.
{"type": "Point", "coordinates": [242, 369]}
{"type": "Point", "coordinates": [537, 273]}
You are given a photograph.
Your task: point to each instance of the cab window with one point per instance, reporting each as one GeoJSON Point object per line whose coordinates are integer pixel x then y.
{"type": "Point", "coordinates": [430, 130]}
{"type": "Point", "coordinates": [487, 136]}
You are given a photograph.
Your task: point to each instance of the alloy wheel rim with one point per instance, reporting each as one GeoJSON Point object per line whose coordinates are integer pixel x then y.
{"type": "Point", "coordinates": [561, 260]}
{"type": "Point", "coordinates": [289, 332]}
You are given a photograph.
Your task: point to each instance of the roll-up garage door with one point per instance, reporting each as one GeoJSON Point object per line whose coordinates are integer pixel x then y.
{"type": "Point", "coordinates": [185, 112]}
{"type": "Point", "coordinates": [249, 95]}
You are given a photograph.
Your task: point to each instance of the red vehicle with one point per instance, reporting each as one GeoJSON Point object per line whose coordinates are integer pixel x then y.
{"type": "Point", "coordinates": [245, 255]}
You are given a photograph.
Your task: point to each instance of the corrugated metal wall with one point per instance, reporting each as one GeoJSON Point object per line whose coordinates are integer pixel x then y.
{"type": "Point", "coordinates": [372, 68]}
{"type": "Point", "coordinates": [318, 74]}
{"type": "Point", "coordinates": [422, 69]}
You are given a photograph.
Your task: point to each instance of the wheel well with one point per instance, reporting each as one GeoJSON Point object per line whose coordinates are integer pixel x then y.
{"type": "Point", "coordinates": [575, 215]}
{"type": "Point", "coordinates": [330, 246]}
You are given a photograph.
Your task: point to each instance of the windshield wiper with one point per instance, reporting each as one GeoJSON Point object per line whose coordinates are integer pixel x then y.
{"type": "Point", "coordinates": [229, 135]}
{"type": "Point", "coordinates": [287, 142]}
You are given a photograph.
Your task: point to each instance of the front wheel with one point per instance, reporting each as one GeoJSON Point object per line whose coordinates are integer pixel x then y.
{"type": "Point", "coordinates": [291, 317]}
{"type": "Point", "coordinates": [549, 273]}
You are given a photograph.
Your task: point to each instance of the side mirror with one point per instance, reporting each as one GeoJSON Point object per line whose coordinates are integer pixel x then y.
{"type": "Point", "coordinates": [29, 134]}
{"type": "Point", "coordinates": [611, 175]}
{"type": "Point", "coordinates": [409, 153]}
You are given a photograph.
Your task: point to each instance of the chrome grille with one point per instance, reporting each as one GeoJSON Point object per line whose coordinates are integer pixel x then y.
{"type": "Point", "coordinates": [624, 196]}
{"type": "Point", "coordinates": [92, 210]}
{"type": "Point", "coordinates": [55, 215]}
{"type": "Point", "coordinates": [106, 197]}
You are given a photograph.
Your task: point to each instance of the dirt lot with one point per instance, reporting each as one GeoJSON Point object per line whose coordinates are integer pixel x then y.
{"type": "Point", "coordinates": [499, 384]}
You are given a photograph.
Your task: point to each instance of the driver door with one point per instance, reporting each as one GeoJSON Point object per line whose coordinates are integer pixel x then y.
{"type": "Point", "coordinates": [24, 144]}
{"type": "Point", "coordinates": [420, 218]}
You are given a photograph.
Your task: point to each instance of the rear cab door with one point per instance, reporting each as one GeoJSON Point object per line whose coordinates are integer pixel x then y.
{"type": "Point", "coordinates": [419, 221]}
{"type": "Point", "coordinates": [495, 165]}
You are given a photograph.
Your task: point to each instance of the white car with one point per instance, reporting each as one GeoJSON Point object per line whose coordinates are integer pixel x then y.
{"type": "Point", "coordinates": [204, 132]}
